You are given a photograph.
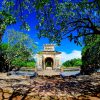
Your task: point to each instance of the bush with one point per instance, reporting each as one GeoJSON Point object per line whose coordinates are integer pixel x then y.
{"type": "Point", "coordinates": [73, 63]}
{"type": "Point", "coordinates": [20, 63]}
{"type": "Point", "coordinates": [30, 64]}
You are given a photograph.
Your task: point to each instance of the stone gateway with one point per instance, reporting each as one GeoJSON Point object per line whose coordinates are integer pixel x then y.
{"type": "Point", "coordinates": [48, 58]}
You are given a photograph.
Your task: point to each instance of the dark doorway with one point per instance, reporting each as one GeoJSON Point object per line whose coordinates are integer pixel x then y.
{"type": "Point", "coordinates": [49, 62]}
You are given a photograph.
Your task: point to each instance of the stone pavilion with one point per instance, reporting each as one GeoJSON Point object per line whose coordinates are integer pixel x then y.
{"type": "Point", "coordinates": [48, 58]}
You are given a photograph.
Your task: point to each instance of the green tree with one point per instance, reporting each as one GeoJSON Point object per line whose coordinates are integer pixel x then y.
{"type": "Point", "coordinates": [19, 49]}
{"type": "Point", "coordinates": [3, 64]}
{"type": "Point", "coordinates": [58, 19]}
{"type": "Point", "coordinates": [91, 54]}
{"type": "Point", "coordinates": [6, 19]}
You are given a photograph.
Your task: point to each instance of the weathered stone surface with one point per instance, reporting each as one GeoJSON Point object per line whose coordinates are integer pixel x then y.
{"type": "Point", "coordinates": [6, 95]}
{"type": "Point", "coordinates": [98, 95]}
{"type": "Point", "coordinates": [0, 96]}
{"type": "Point", "coordinates": [86, 87]}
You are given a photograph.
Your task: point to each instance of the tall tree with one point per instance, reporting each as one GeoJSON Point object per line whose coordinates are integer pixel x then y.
{"type": "Point", "coordinates": [20, 48]}
{"type": "Point", "coordinates": [91, 54]}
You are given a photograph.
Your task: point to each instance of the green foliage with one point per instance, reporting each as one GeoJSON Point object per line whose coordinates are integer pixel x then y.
{"type": "Point", "coordinates": [5, 20]}
{"type": "Point", "coordinates": [3, 46]}
{"type": "Point", "coordinates": [73, 63]}
{"type": "Point", "coordinates": [57, 19]}
{"type": "Point", "coordinates": [19, 63]}
{"type": "Point", "coordinates": [20, 40]}
{"type": "Point", "coordinates": [40, 4]}
{"type": "Point", "coordinates": [18, 10]}
{"type": "Point", "coordinates": [61, 19]}
{"type": "Point", "coordinates": [19, 49]}
{"type": "Point", "coordinates": [31, 64]}
{"type": "Point", "coordinates": [91, 54]}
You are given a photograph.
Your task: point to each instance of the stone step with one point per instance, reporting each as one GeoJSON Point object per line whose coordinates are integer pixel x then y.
{"type": "Point", "coordinates": [48, 68]}
{"type": "Point", "coordinates": [48, 72]}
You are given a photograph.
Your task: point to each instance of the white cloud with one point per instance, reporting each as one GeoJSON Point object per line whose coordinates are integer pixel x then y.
{"type": "Point", "coordinates": [36, 42]}
{"type": "Point", "coordinates": [74, 54]}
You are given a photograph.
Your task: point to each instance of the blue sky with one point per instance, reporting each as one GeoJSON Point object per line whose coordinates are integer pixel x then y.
{"type": "Point", "coordinates": [69, 49]}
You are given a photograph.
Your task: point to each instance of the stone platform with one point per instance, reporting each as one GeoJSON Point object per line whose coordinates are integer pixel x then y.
{"type": "Point", "coordinates": [48, 72]}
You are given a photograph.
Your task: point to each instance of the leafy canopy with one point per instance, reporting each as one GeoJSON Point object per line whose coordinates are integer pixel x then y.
{"type": "Point", "coordinates": [68, 19]}
{"type": "Point", "coordinates": [58, 19]}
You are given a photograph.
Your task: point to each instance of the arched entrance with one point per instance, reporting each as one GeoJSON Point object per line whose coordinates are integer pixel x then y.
{"type": "Point", "coordinates": [49, 62]}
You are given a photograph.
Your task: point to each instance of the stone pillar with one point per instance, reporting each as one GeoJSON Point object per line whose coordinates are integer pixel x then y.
{"type": "Point", "coordinates": [53, 62]}
{"type": "Point", "coordinates": [43, 62]}
{"type": "Point", "coordinates": [39, 62]}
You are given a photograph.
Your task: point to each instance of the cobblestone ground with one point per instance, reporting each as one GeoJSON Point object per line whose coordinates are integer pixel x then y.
{"type": "Point", "coordinates": [86, 87]}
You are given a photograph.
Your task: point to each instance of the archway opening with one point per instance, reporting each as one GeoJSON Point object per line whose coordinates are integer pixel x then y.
{"type": "Point", "coordinates": [49, 62]}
